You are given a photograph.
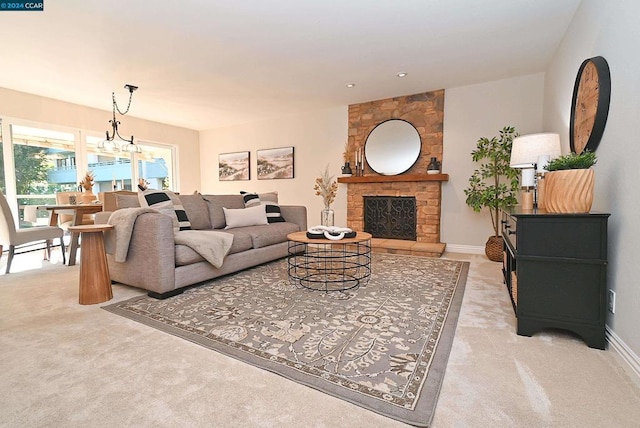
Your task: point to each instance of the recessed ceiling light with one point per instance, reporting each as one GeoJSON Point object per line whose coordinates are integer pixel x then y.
{"type": "Point", "coordinates": [402, 74]}
{"type": "Point", "coordinates": [350, 85]}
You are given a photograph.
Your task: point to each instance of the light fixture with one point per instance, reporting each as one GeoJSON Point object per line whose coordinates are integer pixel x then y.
{"type": "Point", "coordinates": [402, 74]}
{"type": "Point", "coordinates": [529, 152]}
{"type": "Point", "coordinates": [110, 144]}
{"type": "Point", "coordinates": [350, 85]}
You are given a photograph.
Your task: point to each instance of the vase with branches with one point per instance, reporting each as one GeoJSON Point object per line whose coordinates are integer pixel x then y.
{"type": "Point", "coordinates": [494, 184]}
{"type": "Point", "coordinates": [87, 184]}
{"type": "Point", "coordinates": [346, 168]}
{"type": "Point", "coordinates": [326, 187]}
{"type": "Point", "coordinates": [87, 181]}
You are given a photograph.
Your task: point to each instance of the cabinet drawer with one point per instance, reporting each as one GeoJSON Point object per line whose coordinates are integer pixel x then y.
{"type": "Point", "coordinates": [566, 237]}
{"type": "Point", "coordinates": [509, 225]}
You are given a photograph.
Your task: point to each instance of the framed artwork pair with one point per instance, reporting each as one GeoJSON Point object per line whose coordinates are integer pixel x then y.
{"type": "Point", "coordinates": [272, 164]}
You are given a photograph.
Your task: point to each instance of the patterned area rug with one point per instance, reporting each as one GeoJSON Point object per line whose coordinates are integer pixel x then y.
{"type": "Point", "coordinates": [383, 346]}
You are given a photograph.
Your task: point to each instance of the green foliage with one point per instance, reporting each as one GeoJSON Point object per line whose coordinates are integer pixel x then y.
{"type": "Point", "coordinates": [495, 183]}
{"type": "Point", "coordinates": [32, 166]}
{"type": "Point", "coordinates": [584, 160]}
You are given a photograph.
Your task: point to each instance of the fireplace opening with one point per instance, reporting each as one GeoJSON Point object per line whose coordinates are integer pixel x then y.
{"type": "Point", "coordinates": [390, 217]}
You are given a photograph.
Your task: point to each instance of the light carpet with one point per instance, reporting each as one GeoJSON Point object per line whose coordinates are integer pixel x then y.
{"type": "Point", "coordinates": [383, 346]}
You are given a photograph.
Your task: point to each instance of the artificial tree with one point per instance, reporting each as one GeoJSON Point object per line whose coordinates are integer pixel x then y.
{"type": "Point", "coordinates": [495, 184]}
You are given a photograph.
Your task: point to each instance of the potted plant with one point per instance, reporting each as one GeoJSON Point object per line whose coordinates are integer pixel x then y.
{"type": "Point", "coordinates": [569, 183]}
{"type": "Point", "coordinates": [495, 184]}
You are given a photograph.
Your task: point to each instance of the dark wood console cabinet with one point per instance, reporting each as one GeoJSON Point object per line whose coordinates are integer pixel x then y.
{"type": "Point", "coordinates": [555, 268]}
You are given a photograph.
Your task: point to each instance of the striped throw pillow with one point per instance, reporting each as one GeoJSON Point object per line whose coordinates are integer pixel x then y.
{"type": "Point", "coordinates": [273, 209]}
{"type": "Point", "coordinates": [168, 203]}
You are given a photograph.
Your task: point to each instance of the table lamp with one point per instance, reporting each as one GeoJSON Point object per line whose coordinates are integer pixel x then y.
{"type": "Point", "coordinates": [528, 153]}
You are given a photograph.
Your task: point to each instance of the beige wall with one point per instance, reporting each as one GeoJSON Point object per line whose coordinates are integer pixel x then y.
{"type": "Point", "coordinates": [472, 112]}
{"type": "Point", "coordinates": [608, 29]}
{"type": "Point", "coordinates": [318, 139]}
{"type": "Point", "coordinates": [20, 105]}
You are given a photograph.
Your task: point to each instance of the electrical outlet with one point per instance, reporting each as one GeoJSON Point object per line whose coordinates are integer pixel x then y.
{"type": "Point", "coordinates": [612, 301]}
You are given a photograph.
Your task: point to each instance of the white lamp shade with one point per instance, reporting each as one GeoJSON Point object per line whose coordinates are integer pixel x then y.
{"type": "Point", "coordinates": [526, 149]}
{"type": "Point", "coordinates": [528, 177]}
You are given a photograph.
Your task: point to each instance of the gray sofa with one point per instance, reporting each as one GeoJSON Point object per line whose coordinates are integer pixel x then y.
{"type": "Point", "coordinates": [155, 263]}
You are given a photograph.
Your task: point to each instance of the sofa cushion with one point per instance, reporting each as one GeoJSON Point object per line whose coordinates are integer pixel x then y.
{"type": "Point", "coordinates": [216, 203]}
{"type": "Point", "coordinates": [242, 217]}
{"type": "Point", "coordinates": [263, 236]}
{"type": "Point", "coordinates": [197, 211]}
{"type": "Point", "coordinates": [269, 200]}
{"type": "Point", "coordinates": [167, 203]}
{"type": "Point", "coordinates": [241, 242]}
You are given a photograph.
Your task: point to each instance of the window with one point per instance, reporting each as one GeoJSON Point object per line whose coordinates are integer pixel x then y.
{"type": "Point", "coordinates": [3, 187]}
{"type": "Point", "coordinates": [44, 162]}
{"type": "Point", "coordinates": [155, 165]}
{"type": "Point", "coordinates": [38, 160]}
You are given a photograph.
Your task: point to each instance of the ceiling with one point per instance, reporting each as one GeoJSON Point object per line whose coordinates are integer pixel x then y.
{"type": "Point", "coordinates": [203, 64]}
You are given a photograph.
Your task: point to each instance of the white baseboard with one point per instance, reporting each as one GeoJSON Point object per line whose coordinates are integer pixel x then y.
{"type": "Point", "coordinates": [624, 351]}
{"type": "Point", "coordinates": [467, 249]}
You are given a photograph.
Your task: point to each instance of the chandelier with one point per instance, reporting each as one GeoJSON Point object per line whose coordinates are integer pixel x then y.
{"type": "Point", "coordinates": [110, 144]}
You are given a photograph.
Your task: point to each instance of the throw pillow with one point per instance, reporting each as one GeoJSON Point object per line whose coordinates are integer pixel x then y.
{"type": "Point", "coordinates": [215, 204]}
{"type": "Point", "coordinates": [166, 202]}
{"type": "Point", "coordinates": [197, 211]}
{"type": "Point", "coordinates": [271, 205]}
{"type": "Point", "coordinates": [253, 216]}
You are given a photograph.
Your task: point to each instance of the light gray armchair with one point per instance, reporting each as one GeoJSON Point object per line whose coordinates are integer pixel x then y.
{"type": "Point", "coordinates": [13, 237]}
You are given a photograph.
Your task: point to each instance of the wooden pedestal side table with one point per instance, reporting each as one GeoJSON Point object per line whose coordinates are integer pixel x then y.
{"type": "Point", "coordinates": [95, 283]}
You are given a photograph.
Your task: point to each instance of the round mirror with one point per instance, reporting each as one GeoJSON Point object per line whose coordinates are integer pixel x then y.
{"type": "Point", "coordinates": [392, 147]}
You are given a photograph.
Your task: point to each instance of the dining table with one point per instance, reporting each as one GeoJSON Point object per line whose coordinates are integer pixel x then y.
{"type": "Point", "coordinates": [78, 211]}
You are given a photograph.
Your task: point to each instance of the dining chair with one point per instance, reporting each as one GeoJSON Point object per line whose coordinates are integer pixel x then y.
{"type": "Point", "coordinates": [66, 220]}
{"type": "Point", "coordinates": [13, 237]}
{"type": "Point", "coordinates": [108, 199]}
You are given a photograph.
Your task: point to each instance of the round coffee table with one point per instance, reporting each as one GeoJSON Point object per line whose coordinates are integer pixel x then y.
{"type": "Point", "coordinates": [328, 265]}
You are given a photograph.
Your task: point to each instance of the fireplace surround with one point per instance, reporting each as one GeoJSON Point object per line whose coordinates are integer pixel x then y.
{"type": "Point", "coordinates": [426, 113]}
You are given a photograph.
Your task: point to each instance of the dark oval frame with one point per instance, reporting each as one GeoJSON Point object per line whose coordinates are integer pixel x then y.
{"type": "Point", "coordinates": [602, 111]}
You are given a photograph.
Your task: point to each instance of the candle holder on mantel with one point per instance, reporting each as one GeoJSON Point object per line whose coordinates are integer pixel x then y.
{"type": "Point", "coordinates": [359, 162]}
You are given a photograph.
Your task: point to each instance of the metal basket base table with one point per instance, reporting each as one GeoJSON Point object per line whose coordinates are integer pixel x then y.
{"type": "Point", "coordinates": [327, 265]}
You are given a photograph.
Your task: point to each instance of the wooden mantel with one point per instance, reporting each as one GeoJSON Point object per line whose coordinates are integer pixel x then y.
{"type": "Point", "coordinates": [394, 178]}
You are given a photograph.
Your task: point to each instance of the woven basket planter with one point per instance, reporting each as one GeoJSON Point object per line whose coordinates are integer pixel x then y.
{"type": "Point", "coordinates": [569, 191]}
{"type": "Point", "coordinates": [493, 248]}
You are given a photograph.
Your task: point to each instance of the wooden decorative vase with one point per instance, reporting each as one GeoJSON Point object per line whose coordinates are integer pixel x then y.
{"type": "Point", "coordinates": [569, 191]}
{"type": "Point", "coordinates": [86, 197]}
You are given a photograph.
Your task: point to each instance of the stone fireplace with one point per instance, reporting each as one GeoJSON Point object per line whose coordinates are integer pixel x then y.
{"type": "Point", "coordinates": [426, 113]}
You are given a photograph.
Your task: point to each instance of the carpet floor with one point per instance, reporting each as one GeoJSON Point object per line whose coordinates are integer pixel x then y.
{"type": "Point", "coordinates": [383, 346]}
{"type": "Point", "coordinates": [78, 366]}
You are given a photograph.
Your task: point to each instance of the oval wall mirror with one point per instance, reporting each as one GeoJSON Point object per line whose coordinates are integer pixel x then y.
{"type": "Point", "coordinates": [392, 147]}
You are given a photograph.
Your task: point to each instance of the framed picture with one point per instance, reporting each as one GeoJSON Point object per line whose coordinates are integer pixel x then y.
{"type": "Point", "coordinates": [275, 163]}
{"type": "Point", "coordinates": [233, 166]}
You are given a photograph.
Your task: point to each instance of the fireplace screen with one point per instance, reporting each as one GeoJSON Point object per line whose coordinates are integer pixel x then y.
{"type": "Point", "coordinates": [390, 217]}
